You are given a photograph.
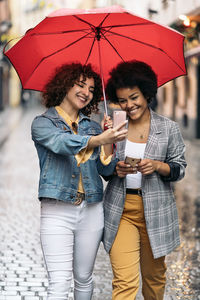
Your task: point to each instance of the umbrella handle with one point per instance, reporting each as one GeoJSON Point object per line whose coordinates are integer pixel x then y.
{"type": "Point", "coordinates": [101, 73]}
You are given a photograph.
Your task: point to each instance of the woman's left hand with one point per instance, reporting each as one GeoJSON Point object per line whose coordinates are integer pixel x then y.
{"type": "Point", "coordinates": [147, 166]}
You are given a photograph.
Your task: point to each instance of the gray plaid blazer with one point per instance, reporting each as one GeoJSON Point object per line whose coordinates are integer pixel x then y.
{"type": "Point", "coordinates": [165, 143]}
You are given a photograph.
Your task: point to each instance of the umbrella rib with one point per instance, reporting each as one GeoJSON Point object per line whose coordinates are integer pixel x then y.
{"type": "Point", "coordinates": [132, 39]}
{"type": "Point", "coordinates": [91, 25]}
{"type": "Point", "coordinates": [58, 32]}
{"type": "Point", "coordinates": [127, 25]}
{"type": "Point", "coordinates": [146, 44]}
{"type": "Point", "coordinates": [90, 51]}
{"type": "Point", "coordinates": [100, 25]}
{"type": "Point", "coordinates": [113, 47]}
{"type": "Point", "coordinates": [56, 53]}
{"type": "Point", "coordinates": [88, 23]}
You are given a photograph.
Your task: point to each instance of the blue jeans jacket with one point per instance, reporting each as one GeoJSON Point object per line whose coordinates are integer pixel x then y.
{"type": "Point", "coordinates": [56, 146]}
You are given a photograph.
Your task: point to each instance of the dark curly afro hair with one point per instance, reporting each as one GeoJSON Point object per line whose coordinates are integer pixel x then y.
{"type": "Point", "coordinates": [64, 79]}
{"type": "Point", "coordinates": [132, 74]}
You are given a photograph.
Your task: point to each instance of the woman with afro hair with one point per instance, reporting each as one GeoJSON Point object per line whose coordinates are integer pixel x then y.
{"type": "Point", "coordinates": [141, 222]}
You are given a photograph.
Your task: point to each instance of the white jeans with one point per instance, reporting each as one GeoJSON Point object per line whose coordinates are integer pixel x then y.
{"type": "Point", "coordinates": [70, 238]}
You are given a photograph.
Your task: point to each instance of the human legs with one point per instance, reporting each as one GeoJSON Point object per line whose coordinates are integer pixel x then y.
{"type": "Point", "coordinates": [88, 235]}
{"type": "Point", "coordinates": [130, 249]}
{"type": "Point", "coordinates": [152, 270]}
{"type": "Point", "coordinates": [57, 242]}
{"type": "Point", "coordinates": [70, 237]}
{"type": "Point", "coordinates": [125, 254]}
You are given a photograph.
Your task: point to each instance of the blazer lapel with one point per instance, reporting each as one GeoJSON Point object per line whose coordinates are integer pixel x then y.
{"type": "Point", "coordinates": [152, 142]}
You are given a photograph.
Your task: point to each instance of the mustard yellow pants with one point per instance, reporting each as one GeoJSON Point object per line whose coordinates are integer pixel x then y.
{"type": "Point", "coordinates": [131, 253]}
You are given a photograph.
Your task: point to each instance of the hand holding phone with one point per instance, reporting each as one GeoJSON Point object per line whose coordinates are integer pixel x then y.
{"type": "Point", "coordinates": [132, 161]}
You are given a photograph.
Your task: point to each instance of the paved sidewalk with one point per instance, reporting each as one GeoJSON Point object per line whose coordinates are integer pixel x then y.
{"type": "Point", "coordinates": [22, 269]}
{"type": "Point", "coordinates": [9, 118]}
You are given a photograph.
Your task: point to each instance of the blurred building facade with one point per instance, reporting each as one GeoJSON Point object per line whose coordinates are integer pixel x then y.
{"type": "Point", "coordinates": [180, 98]}
{"type": "Point", "coordinates": [5, 25]}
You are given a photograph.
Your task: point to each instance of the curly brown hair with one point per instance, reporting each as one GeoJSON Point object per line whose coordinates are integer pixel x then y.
{"type": "Point", "coordinates": [130, 74]}
{"type": "Point", "coordinates": [64, 79]}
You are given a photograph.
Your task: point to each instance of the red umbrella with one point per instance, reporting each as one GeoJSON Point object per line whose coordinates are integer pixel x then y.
{"type": "Point", "coordinates": [103, 37]}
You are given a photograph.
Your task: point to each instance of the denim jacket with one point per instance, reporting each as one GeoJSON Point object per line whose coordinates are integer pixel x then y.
{"type": "Point", "coordinates": [56, 146]}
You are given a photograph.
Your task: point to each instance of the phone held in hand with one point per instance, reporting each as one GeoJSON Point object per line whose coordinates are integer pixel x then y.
{"type": "Point", "coordinates": [119, 116]}
{"type": "Point", "coordinates": [132, 161]}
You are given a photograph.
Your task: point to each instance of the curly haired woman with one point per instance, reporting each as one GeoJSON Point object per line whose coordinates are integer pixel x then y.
{"type": "Point", "coordinates": [141, 222]}
{"type": "Point", "coordinates": [70, 187]}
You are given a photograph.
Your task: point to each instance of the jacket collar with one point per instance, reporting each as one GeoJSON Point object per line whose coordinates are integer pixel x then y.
{"type": "Point", "coordinates": [155, 122]}
{"type": "Point", "coordinates": [51, 113]}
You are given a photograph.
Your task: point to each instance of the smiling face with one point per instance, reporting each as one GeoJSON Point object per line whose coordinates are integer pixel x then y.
{"type": "Point", "coordinates": [133, 102]}
{"type": "Point", "coordinates": [79, 95]}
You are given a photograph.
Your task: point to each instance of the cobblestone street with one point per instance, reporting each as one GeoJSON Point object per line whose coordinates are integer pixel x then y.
{"type": "Point", "coordinates": [22, 269]}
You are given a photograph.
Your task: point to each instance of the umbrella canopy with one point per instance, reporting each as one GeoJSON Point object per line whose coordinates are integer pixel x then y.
{"type": "Point", "coordinates": [103, 37]}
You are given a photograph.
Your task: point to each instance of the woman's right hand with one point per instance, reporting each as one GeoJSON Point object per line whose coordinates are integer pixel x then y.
{"type": "Point", "coordinates": [114, 135]}
{"type": "Point", "coordinates": [123, 169]}
{"type": "Point", "coordinates": [109, 136]}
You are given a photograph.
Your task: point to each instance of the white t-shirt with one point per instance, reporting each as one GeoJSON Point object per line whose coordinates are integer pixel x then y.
{"type": "Point", "coordinates": [136, 150]}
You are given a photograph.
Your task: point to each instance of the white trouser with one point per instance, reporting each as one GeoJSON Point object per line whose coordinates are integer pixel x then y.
{"type": "Point", "coordinates": [70, 238]}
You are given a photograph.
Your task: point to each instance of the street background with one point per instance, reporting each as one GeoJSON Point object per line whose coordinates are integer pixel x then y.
{"type": "Point", "coordinates": [22, 269]}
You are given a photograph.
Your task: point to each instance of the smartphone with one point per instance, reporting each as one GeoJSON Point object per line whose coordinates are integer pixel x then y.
{"type": "Point", "coordinates": [132, 161]}
{"type": "Point", "coordinates": [119, 116]}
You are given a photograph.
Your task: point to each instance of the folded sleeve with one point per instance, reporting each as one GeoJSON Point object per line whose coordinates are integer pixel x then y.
{"type": "Point", "coordinates": [174, 172]}
{"type": "Point", "coordinates": [105, 159]}
{"type": "Point", "coordinates": [175, 157]}
{"type": "Point", "coordinates": [83, 156]}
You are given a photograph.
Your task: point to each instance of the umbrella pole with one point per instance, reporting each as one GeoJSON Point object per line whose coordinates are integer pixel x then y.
{"type": "Point", "coordinates": [103, 86]}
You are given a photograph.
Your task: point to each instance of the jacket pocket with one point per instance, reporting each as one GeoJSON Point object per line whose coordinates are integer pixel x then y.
{"type": "Point", "coordinates": [46, 165]}
{"type": "Point", "coordinates": [91, 131]}
{"type": "Point", "coordinates": [63, 126]}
